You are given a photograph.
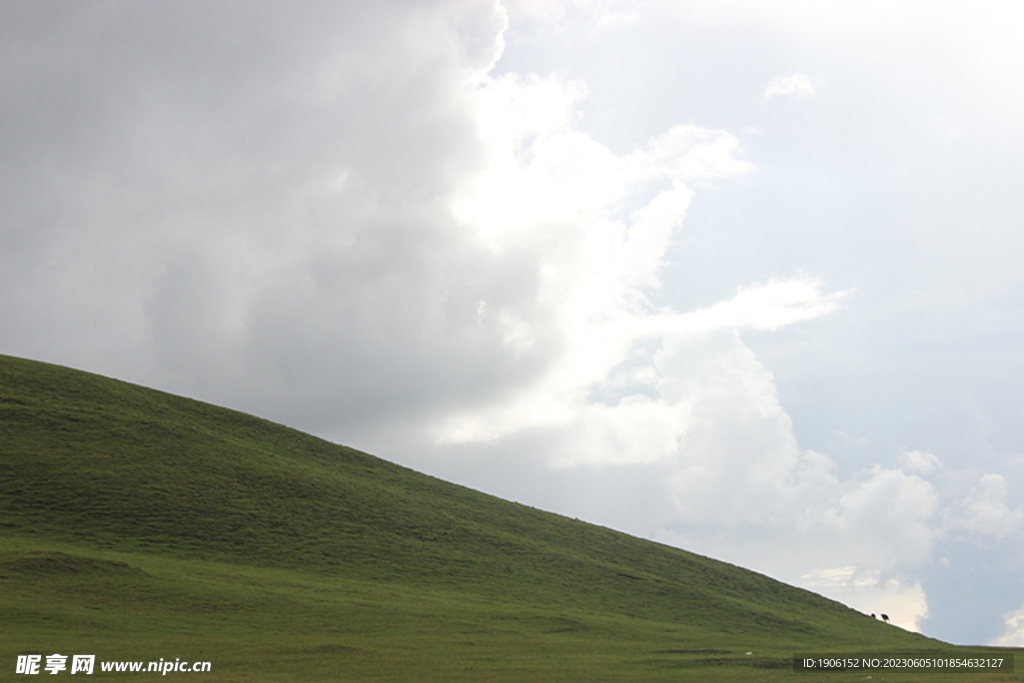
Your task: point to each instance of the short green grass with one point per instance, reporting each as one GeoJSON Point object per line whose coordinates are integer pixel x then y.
{"type": "Point", "coordinates": [136, 525]}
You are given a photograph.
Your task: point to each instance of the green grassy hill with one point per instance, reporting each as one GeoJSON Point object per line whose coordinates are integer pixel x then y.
{"type": "Point", "coordinates": [144, 525]}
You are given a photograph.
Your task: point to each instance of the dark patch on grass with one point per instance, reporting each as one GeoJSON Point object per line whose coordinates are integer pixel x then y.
{"type": "Point", "coordinates": [57, 564]}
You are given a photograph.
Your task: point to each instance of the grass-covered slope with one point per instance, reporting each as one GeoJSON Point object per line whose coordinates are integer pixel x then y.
{"type": "Point", "coordinates": [151, 506]}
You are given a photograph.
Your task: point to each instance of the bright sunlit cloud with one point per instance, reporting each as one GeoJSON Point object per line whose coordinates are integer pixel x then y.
{"type": "Point", "coordinates": [553, 192]}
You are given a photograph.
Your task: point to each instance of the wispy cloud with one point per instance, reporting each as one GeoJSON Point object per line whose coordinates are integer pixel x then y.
{"type": "Point", "coordinates": [795, 85]}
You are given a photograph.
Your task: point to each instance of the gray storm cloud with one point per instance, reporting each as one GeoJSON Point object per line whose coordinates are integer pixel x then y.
{"type": "Point", "coordinates": [251, 202]}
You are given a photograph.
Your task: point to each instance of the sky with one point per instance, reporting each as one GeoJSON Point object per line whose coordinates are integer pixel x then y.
{"type": "Point", "coordinates": [737, 276]}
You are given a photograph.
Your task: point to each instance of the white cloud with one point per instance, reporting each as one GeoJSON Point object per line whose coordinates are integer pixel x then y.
{"type": "Point", "coordinates": [797, 85]}
{"type": "Point", "coordinates": [985, 511]}
{"type": "Point", "coordinates": [687, 153]}
{"type": "Point", "coordinates": [589, 18]}
{"type": "Point", "coordinates": [1013, 634]}
{"type": "Point", "coordinates": [548, 197]}
{"type": "Point", "coordinates": [606, 15]}
{"type": "Point", "coordinates": [893, 509]}
{"type": "Point", "coordinates": [762, 307]}
{"type": "Point", "coordinates": [542, 11]}
{"type": "Point", "coordinates": [920, 462]}
{"type": "Point", "coordinates": [602, 338]}
{"type": "Point", "coordinates": [739, 470]}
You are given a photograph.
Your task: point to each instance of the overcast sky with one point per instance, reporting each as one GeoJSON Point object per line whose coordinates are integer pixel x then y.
{"type": "Point", "coordinates": [741, 277]}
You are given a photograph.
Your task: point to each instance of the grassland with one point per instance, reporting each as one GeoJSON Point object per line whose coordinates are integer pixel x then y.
{"type": "Point", "coordinates": [138, 525]}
